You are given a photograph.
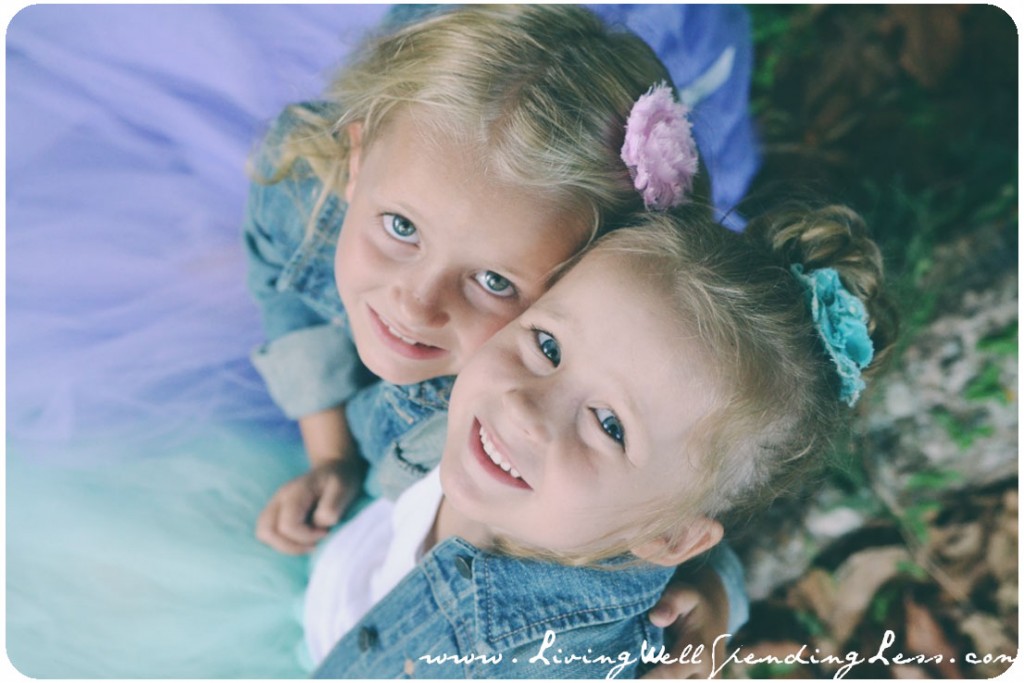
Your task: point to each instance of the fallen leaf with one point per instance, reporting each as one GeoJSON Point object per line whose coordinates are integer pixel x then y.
{"type": "Point", "coordinates": [857, 580]}
{"type": "Point", "coordinates": [959, 542]}
{"type": "Point", "coordinates": [925, 637]}
{"type": "Point", "coordinates": [815, 591]}
{"type": "Point", "coordinates": [932, 39]}
{"type": "Point", "coordinates": [988, 635]}
{"type": "Point", "coordinates": [908, 671]}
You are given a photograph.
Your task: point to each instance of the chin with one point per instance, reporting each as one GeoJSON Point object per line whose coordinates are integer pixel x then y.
{"type": "Point", "coordinates": [395, 373]}
{"type": "Point", "coordinates": [458, 486]}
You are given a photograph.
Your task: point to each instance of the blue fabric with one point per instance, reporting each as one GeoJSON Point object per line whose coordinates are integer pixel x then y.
{"type": "Point", "coordinates": [726, 563]}
{"type": "Point", "coordinates": [149, 567]}
{"type": "Point", "coordinates": [462, 602]}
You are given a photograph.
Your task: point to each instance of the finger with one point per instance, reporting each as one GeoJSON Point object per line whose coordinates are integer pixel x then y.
{"type": "Point", "coordinates": [287, 546]}
{"type": "Point", "coordinates": [266, 523]}
{"type": "Point", "coordinates": [673, 605]}
{"type": "Point", "coordinates": [332, 502]}
{"type": "Point", "coordinates": [267, 534]}
{"type": "Point", "coordinates": [292, 525]}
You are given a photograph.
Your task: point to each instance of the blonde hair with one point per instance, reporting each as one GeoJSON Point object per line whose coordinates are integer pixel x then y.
{"type": "Point", "coordinates": [777, 406]}
{"type": "Point", "coordinates": [540, 92]}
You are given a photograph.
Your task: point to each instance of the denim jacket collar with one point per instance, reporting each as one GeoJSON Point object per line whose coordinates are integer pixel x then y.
{"type": "Point", "coordinates": [517, 599]}
{"type": "Point", "coordinates": [310, 271]}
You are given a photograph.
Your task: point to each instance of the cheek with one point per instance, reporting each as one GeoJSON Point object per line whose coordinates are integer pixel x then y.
{"type": "Point", "coordinates": [345, 260]}
{"type": "Point", "coordinates": [358, 263]}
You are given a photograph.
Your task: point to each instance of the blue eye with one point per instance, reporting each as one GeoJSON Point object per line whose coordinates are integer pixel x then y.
{"type": "Point", "coordinates": [400, 228]}
{"type": "Point", "coordinates": [495, 284]}
{"type": "Point", "coordinates": [611, 425]}
{"type": "Point", "coordinates": [548, 345]}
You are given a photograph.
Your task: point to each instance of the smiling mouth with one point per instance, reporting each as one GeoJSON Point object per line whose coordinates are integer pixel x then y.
{"type": "Point", "coordinates": [493, 460]}
{"type": "Point", "coordinates": [495, 456]}
{"type": "Point", "coordinates": [400, 342]}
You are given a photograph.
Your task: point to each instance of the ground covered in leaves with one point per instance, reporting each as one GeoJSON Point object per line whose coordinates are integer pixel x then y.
{"type": "Point", "coordinates": [908, 549]}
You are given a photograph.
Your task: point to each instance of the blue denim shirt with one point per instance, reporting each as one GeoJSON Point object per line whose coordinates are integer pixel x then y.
{"type": "Point", "coordinates": [465, 613]}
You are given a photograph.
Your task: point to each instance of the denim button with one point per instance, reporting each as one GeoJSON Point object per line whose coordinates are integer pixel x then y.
{"type": "Point", "coordinates": [367, 638]}
{"type": "Point", "coordinates": [465, 566]}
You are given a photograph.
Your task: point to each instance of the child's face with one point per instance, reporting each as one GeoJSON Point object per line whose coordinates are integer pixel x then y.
{"type": "Point", "coordinates": [584, 402]}
{"type": "Point", "coordinates": [434, 258]}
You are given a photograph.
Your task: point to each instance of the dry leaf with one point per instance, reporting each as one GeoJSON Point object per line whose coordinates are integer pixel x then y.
{"type": "Point", "coordinates": [932, 39]}
{"type": "Point", "coordinates": [857, 580]}
{"type": "Point", "coordinates": [925, 637]}
{"type": "Point", "coordinates": [908, 672]}
{"type": "Point", "coordinates": [988, 635]}
{"type": "Point", "coordinates": [958, 543]}
{"type": "Point", "coordinates": [816, 592]}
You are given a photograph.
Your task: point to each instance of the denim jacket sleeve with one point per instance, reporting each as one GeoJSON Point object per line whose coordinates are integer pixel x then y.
{"type": "Point", "coordinates": [400, 430]}
{"type": "Point", "coordinates": [727, 565]}
{"type": "Point", "coordinates": [308, 361]}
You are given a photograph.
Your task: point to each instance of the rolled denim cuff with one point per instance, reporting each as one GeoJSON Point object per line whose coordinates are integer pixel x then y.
{"type": "Point", "coordinates": [727, 565]}
{"type": "Point", "coordinates": [309, 370]}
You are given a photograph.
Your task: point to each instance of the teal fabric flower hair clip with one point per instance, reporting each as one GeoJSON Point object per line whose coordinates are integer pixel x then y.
{"type": "Point", "coordinates": [842, 322]}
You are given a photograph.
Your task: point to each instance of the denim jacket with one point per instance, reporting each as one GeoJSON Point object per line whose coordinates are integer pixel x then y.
{"type": "Point", "coordinates": [465, 613]}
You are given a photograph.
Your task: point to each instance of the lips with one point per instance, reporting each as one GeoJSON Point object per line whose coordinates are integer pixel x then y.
{"type": "Point", "coordinates": [400, 342]}
{"type": "Point", "coordinates": [493, 458]}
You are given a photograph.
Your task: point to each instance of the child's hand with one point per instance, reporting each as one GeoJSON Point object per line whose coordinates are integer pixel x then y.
{"type": "Point", "coordinates": [693, 610]}
{"type": "Point", "coordinates": [303, 510]}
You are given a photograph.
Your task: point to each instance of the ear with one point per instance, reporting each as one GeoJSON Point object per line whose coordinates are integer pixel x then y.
{"type": "Point", "coordinates": [355, 150]}
{"type": "Point", "coordinates": [701, 534]}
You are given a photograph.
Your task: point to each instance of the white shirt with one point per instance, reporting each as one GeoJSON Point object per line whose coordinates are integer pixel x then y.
{"type": "Point", "coordinates": [364, 559]}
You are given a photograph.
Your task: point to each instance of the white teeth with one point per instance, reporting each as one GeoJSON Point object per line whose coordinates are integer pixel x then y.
{"type": "Point", "coordinates": [411, 342]}
{"type": "Point", "coordinates": [495, 457]}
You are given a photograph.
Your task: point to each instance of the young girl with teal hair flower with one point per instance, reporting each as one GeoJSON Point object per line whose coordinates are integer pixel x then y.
{"type": "Point", "coordinates": [668, 386]}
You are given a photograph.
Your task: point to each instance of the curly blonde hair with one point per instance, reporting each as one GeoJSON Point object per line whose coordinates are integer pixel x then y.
{"type": "Point", "coordinates": [781, 407]}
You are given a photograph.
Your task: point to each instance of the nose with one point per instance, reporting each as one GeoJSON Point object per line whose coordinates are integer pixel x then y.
{"type": "Point", "coordinates": [422, 298]}
{"type": "Point", "coordinates": [529, 411]}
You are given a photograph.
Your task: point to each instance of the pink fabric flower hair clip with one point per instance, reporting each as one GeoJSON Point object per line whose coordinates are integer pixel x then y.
{"type": "Point", "coordinates": [659, 149]}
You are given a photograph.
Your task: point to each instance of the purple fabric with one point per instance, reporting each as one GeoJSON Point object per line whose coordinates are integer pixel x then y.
{"type": "Point", "coordinates": [128, 128]}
